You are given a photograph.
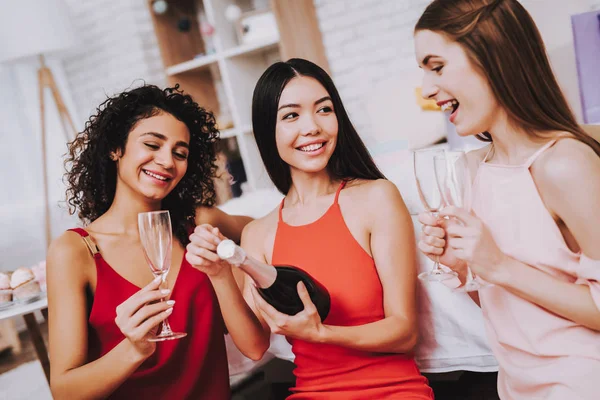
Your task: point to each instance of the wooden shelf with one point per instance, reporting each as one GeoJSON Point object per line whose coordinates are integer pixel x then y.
{"type": "Point", "coordinates": [247, 128]}
{"type": "Point", "coordinates": [250, 49]}
{"type": "Point", "coordinates": [223, 82]}
{"type": "Point", "coordinates": [191, 65]}
{"type": "Point", "coordinates": [228, 133]}
{"type": "Point", "coordinates": [206, 61]}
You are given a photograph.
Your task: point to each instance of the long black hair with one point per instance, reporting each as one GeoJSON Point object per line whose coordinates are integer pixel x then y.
{"type": "Point", "coordinates": [350, 159]}
{"type": "Point", "coordinates": [91, 175]}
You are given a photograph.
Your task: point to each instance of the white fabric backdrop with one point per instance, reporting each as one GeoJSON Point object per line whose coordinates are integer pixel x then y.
{"type": "Point", "coordinates": [22, 241]}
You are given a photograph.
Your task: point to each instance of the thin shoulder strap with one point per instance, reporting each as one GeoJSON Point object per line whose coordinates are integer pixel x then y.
{"type": "Point", "coordinates": [535, 155]}
{"type": "Point", "coordinates": [337, 193]}
{"type": "Point", "coordinates": [488, 152]}
{"type": "Point", "coordinates": [92, 247]}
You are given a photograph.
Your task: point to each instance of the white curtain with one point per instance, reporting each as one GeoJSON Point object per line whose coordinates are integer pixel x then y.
{"type": "Point", "coordinates": [22, 231]}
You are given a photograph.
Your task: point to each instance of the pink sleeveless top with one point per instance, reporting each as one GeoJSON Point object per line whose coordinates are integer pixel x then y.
{"type": "Point", "coordinates": [332, 372]}
{"type": "Point", "coordinates": [541, 355]}
{"type": "Point", "coordinates": [194, 367]}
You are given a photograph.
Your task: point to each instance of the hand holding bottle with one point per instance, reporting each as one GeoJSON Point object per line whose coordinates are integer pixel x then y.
{"type": "Point", "coordinates": [305, 325]}
{"type": "Point", "coordinates": [201, 251]}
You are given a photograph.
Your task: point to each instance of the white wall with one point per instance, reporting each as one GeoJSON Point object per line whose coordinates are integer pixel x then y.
{"type": "Point", "coordinates": [117, 47]}
{"type": "Point", "coordinates": [367, 42]}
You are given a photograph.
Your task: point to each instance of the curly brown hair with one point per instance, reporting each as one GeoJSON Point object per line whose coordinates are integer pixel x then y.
{"type": "Point", "coordinates": [91, 175]}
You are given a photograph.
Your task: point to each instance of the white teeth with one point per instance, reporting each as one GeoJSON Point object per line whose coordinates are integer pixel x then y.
{"type": "Point", "coordinates": [312, 147]}
{"type": "Point", "coordinates": [162, 178]}
{"type": "Point", "coordinates": [449, 105]}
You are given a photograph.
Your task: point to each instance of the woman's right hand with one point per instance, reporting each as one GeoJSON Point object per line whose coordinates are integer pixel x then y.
{"type": "Point", "coordinates": [139, 315]}
{"type": "Point", "coordinates": [433, 244]}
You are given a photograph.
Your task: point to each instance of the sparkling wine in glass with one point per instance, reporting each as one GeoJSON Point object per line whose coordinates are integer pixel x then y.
{"type": "Point", "coordinates": [431, 198]}
{"type": "Point", "coordinates": [157, 240]}
{"type": "Point", "coordinates": [454, 180]}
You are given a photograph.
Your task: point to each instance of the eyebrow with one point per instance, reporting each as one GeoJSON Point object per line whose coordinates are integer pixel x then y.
{"type": "Point", "coordinates": [293, 105]}
{"type": "Point", "coordinates": [163, 137]}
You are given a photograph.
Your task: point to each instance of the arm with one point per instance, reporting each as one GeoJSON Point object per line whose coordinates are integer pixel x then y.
{"type": "Point", "coordinates": [241, 322]}
{"type": "Point", "coordinates": [569, 181]}
{"type": "Point", "coordinates": [70, 375]}
{"type": "Point", "coordinates": [231, 226]}
{"type": "Point", "coordinates": [393, 248]}
{"type": "Point", "coordinates": [253, 241]}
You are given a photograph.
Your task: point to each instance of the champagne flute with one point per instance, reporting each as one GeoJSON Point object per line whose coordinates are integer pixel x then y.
{"type": "Point", "coordinates": [454, 179]}
{"type": "Point", "coordinates": [157, 240]}
{"type": "Point", "coordinates": [431, 198]}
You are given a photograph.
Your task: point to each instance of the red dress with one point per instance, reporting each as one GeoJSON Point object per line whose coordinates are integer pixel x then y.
{"type": "Point", "coordinates": [327, 250]}
{"type": "Point", "coordinates": [194, 367]}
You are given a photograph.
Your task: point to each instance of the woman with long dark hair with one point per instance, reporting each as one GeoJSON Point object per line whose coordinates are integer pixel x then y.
{"type": "Point", "coordinates": [534, 224]}
{"type": "Point", "coordinates": [348, 227]}
{"type": "Point", "coordinates": [145, 149]}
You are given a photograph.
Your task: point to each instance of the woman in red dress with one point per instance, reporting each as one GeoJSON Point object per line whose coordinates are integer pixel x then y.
{"type": "Point", "coordinates": [348, 227]}
{"type": "Point", "coordinates": [146, 149]}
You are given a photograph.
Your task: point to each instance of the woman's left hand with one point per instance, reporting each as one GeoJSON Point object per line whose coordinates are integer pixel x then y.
{"type": "Point", "coordinates": [306, 325]}
{"type": "Point", "coordinates": [472, 242]}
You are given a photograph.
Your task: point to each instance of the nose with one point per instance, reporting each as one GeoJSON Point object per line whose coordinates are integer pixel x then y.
{"type": "Point", "coordinates": [164, 158]}
{"type": "Point", "coordinates": [309, 126]}
{"type": "Point", "coordinates": [428, 87]}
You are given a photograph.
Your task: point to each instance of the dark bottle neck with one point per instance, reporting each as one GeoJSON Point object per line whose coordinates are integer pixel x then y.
{"type": "Point", "coordinates": [263, 275]}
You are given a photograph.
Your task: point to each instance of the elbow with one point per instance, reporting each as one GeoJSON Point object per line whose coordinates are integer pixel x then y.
{"type": "Point", "coordinates": [411, 342]}
{"type": "Point", "coordinates": [258, 351]}
{"type": "Point", "coordinates": [407, 339]}
{"type": "Point", "coordinates": [57, 388]}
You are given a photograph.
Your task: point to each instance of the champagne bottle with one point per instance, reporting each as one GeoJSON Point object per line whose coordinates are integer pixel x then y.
{"type": "Point", "coordinates": [278, 285]}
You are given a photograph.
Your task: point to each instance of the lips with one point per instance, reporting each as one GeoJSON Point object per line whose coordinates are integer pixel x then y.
{"type": "Point", "coordinates": [448, 105]}
{"type": "Point", "coordinates": [312, 146]}
{"type": "Point", "coordinates": [157, 175]}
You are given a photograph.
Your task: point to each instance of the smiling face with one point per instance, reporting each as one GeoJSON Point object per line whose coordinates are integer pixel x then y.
{"type": "Point", "coordinates": [307, 127]}
{"type": "Point", "coordinates": [455, 84]}
{"type": "Point", "coordinates": [155, 156]}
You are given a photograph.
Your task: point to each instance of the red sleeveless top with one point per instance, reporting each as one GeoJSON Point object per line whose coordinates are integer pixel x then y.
{"type": "Point", "coordinates": [194, 367]}
{"type": "Point", "coordinates": [327, 250]}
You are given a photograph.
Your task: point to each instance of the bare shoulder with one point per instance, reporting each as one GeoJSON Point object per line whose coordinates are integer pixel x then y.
{"type": "Point", "coordinates": [257, 232]}
{"type": "Point", "coordinates": [375, 193]}
{"type": "Point", "coordinates": [566, 164]}
{"type": "Point", "coordinates": [67, 254]}
{"type": "Point", "coordinates": [263, 224]}
{"type": "Point", "coordinates": [477, 155]}
{"type": "Point", "coordinates": [367, 187]}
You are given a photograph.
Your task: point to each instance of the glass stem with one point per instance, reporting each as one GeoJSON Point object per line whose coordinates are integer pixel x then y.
{"type": "Point", "coordinates": [164, 329]}
{"type": "Point", "coordinates": [436, 263]}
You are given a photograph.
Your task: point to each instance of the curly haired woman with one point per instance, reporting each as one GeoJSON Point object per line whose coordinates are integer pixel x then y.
{"type": "Point", "coordinates": [145, 149]}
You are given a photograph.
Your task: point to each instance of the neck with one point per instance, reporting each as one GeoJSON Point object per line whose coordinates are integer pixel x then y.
{"type": "Point", "coordinates": [307, 187]}
{"type": "Point", "coordinates": [512, 144]}
{"type": "Point", "coordinates": [125, 208]}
